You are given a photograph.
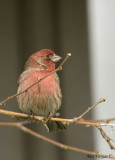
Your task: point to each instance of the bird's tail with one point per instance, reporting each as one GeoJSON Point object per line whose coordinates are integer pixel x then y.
{"type": "Point", "coordinates": [55, 126]}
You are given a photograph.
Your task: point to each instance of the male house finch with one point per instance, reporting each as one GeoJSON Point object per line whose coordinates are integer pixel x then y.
{"type": "Point", "coordinates": [45, 97]}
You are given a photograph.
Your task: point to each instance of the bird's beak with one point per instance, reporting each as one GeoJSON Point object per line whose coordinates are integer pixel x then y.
{"type": "Point", "coordinates": [55, 58]}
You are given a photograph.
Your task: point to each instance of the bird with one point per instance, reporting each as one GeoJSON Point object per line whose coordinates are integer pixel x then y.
{"type": "Point", "coordinates": [45, 97]}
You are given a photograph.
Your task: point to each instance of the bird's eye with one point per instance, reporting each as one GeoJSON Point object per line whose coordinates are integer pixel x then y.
{"type": "Point", "coordinates": [48, 56]}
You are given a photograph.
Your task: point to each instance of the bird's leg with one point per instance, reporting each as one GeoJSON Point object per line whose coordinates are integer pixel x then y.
{"type": "Point", "coordinates": [46, 119]}
{"type": "Point", "coordinates": [49, 116]}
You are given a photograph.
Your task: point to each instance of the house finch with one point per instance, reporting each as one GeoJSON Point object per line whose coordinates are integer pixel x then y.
{"type": "Point", "coordinates": [44, 97]}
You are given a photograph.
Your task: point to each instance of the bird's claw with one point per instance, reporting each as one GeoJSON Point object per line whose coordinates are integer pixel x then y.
{"type": "Point", "coordinates": [46, 119]}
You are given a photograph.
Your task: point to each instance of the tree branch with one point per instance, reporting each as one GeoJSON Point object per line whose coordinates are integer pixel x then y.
{"type": "Point", "coordinates": [58, 144]}
{"type": "Point", "coordinates": [107, 138]}
{"type": "Point", "coordinates": [40, 118]}
{"type": "Point", "coordinates": [103, 120]}
{"type": "Point", "coordinates": [78, 120]}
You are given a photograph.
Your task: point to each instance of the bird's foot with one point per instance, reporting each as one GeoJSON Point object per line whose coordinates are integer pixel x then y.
{"type": "Point", "coordinates": [46, 119]}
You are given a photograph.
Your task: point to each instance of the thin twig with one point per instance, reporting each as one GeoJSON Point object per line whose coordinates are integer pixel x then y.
{"type": "Point", "coordinates": [40, 118]}
{"type": "Point", "coordinates": [58, 144]}
{"type": "Point", "coordinates": [102, 120]}
{"type": "Point", "coordinates": [38, 80]}
{"type": "Point", "coordinates": [84, 113]}
{"type": "Point", "coordinates": [108, 124]}
{"type": "Point", "coordinates": [107, 138]}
